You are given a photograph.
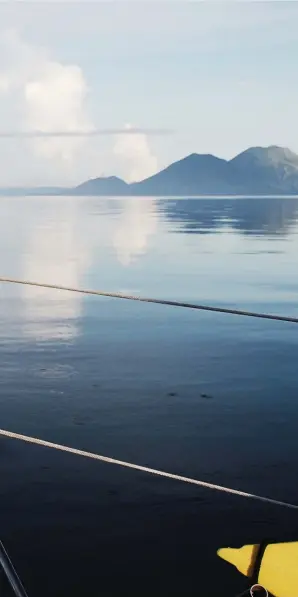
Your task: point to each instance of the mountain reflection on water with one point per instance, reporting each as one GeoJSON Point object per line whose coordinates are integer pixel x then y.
{"type": "Point", "coordinates": [136, 245]}
{"type": "Point", "coordinates": [252, 216]}
{"type": "Point", "coordinates": [204, 395]}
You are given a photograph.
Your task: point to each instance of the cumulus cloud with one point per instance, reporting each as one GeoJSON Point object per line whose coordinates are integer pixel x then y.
{"type": "Point", "coordinates": [46, 95]}
{"type": "Point", "coordinates": [56, 100]}
{"type": "Point", "coordinates": [42, 95]}
{"type": "Point", "coordinates": [134, 156]}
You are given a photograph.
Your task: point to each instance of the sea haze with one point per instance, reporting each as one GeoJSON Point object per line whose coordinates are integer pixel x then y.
{"type": "Point", "coordinates": [203, 395]}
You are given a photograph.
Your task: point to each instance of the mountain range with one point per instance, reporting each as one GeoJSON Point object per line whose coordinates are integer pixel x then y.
{"type": "Point", "coordinates": [256, 171]}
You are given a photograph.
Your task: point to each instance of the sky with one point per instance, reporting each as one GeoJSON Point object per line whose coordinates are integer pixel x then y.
{"type": "Point", "coordinates": [126, 88]}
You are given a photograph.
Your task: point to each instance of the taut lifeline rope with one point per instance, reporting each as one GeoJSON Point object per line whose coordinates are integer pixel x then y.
{"type": "Point", "coordinates": [144, 469]}
{"type": "Point", "coordinates": [130, 465]}
{"type": "Point", "coordinates": [142, 299]}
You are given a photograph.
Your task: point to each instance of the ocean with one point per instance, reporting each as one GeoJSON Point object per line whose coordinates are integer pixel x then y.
{"type": "Point", "coordinates": [205, 395]}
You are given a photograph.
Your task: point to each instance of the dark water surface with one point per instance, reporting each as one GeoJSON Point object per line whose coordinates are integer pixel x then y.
{"type": "Point", "coordinates": [208, 396]}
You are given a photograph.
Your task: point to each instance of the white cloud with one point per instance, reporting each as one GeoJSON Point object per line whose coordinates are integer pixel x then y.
{"type": "Point", "coordinates": [197, 46]}
{"type": "Point", "coordinates": [39, 93]}
{"type": "Point", "coordinates": [135, 159]}
{"type": "Point", "coordinates": [55, 100]}
{"type": "Point", "coordinates": [44, 95]}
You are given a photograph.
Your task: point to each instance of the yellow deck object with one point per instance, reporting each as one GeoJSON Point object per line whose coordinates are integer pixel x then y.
{"type": "Point", "coordinates": [278, 571]}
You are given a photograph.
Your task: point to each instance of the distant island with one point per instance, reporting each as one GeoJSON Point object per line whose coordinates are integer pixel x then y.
{"type": "Point", "coordinates": [257, 171]}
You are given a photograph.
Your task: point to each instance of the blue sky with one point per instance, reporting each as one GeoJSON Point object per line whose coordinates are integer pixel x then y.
{"type": "Point", "coordinates": [222, 75]}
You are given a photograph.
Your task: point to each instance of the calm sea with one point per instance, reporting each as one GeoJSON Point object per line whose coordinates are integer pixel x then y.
{"type": "Point", "coordinates": [209, 396]}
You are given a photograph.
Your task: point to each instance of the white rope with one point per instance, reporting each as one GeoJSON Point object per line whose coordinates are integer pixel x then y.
{"type": "Point", "coordinates": [144, 469]}
{"type": "Point", "coordinates": [130, 465]}
{"type": "Point", "coordinates": [143, 299]}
